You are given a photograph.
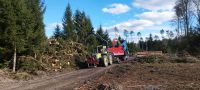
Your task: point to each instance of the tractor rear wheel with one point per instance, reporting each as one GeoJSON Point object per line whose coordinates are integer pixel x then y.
{"type": "Point", "coordinates": [105, 61]}
{"type": "Point", "coordinates": [118, 60]}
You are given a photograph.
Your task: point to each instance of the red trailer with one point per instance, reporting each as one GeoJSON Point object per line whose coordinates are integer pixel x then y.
{"type": "Point", "coordinates": [119, 50]}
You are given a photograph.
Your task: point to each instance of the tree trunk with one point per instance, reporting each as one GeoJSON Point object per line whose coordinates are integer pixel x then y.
{"type": "Point", "coordinates": [14, 59]}
{"type": "Point", "coordinates": [35, 55]}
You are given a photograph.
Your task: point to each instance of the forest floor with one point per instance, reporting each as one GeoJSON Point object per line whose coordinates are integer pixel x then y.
{"type": "Point", "coordinates": [154, 76]}
{"type": "Point", "coordinates": [129, 75]}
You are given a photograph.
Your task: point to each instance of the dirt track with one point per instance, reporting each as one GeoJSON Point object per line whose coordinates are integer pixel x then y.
{"type": "Point", "coordinates": [66, 81]}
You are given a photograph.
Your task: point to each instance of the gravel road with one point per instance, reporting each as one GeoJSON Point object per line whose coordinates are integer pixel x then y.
{"type": "Point", "coordinates": [65, 81]}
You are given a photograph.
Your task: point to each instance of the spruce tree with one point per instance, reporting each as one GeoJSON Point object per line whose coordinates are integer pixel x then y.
{"type": "Point", "coordinates": [77, 24]}
{"type": "Point", "coordinates": [37, 8]}
{"type": "Point", "coordinates": [102, 38]}
{"type": "Point", "coordinates": [14, 24]}
{"type": "Point", "coordinates": [21, 27]}
{"type": "Point", "coordinates": [68, 24]}
{"type": "Point", "coordinates": [57, 33]}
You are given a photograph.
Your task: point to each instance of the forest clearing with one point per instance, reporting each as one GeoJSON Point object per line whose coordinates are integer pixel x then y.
{"type": "Point", "coordinates": [115, 45]}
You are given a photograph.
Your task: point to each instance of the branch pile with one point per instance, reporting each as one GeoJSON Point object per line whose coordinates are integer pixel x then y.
{"type": "Point", "coordinates": [59, 54]}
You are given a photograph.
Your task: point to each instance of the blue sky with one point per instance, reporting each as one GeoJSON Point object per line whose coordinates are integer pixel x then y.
{"type": "Point", "coordinates": [145, 16]}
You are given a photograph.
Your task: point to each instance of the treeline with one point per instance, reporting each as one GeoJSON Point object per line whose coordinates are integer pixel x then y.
{"type": "Point", "coordinates": [186, 37]}
{"type": "Point", "coordinates": [188, 26]}
{"type": "Point", "coordinates": [21, 29]}
{"type": "Point", "coordinates": [78, 27]}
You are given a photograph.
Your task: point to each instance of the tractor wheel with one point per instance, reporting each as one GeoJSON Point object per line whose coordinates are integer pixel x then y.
{"type": "Point", "coordinates": [125, 58]}
{"type": "Point", "coordinates": [110, 59]}
{"type": "Point", "coordinates": [105, 61]}
{"type": "Point", "coordinates": [118, 60]}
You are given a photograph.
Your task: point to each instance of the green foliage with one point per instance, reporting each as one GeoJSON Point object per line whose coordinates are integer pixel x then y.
{"type": "Point", "coordinates": [147, 59]}
{"type": "Point", "coordinates": [22, 76]}
{"type": "Point", "coordinates": [80, 29]}
{"type": "Point", "coordinates": [21, 27]}
{"type": "Point", "coordinates": [29, 64]}
{"type": "Point", "coordinates": [68, 24]}
{"type": "Point", "coordinates": [132, 48]}
{"type": "Point", "coordinates": [57, 33]}
{"type": "Point", "coordinates": [189, 43]}
{"type": "Point", "coordinates": [126, 33]}
{"type": "Point", "coordinates": [102, 36]}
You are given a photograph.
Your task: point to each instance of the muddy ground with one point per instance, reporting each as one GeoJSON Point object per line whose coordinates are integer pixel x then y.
{"type": "Point", "coordinates": [137, 76]}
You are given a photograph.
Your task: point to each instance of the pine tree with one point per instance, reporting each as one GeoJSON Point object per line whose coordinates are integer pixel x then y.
{"type": "Point", "coordinates": [88, 29]}
{"type": "Point", "coordinates": [68, 24]}
{"type": "Point", "coordinates": [37, 8]}
{"type": "Point", "coordinates": [21, 27]}
{"type": "Point", "coordinates": [85, 32]}
{"type": "Point", "coordinates": [57, 33]}
{"type": "Point", "coordinates": [83, 26]}
{"type": "Point", "coordinates": [13, 27]}
{"type": "Point", "coordinates": [102, 35]}
{"type": "Point", "coordinates": [77, 25]}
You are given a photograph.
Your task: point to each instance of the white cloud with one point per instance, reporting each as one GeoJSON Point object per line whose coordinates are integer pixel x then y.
{"type": "Point", "coordinates": [116, 8]}
{"type": "Point", "coordinates": [155, 5]}
{"type": "Point", "coordinates": [156, 13]}
{"type": "Point", "coordinates": [154, 30]}
{"type": "Point", "coordinates": [52, 26]}
{"type": "Point", "coordinates": [157, 17]}
{"type": "Point", "coordinates": [131, 25]}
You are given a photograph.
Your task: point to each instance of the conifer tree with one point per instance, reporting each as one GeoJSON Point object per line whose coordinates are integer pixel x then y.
{"type": "Point", "coordinates": [57, 33]}
{"type": "Point", "coordinates": [68, 24]}
{"type": "Point", "coordinates": [13, 27]}
{"type": "Point", "coordinates": [21, 27]}
{"type": "Point", "coordinates": [37, 9]}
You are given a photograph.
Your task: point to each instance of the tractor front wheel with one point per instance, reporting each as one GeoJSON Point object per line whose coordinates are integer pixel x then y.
{"type": "Point", "coordinates": [105, 61]}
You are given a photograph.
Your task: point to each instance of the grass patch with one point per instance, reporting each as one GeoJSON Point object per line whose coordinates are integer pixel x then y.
{"type": "Point", "coordinates": [22, 76]}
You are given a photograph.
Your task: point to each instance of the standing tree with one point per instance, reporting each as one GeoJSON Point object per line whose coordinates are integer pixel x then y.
{"type": "Point", "coordinates": [132, 34]}
{"type": "Point", "coordinates": [126, 33]}
{"type": "Point", "coordinates": [141, 41]}
{"type": "Point", "coordinates": [87, 27]}
{"type": "Point", "coordinates": [68, 24]}
{"type": "Point", "coordinates": [102, 35]}
{"type": "Point", "coordinates": [183, 10]}
{"type": "Point", "coordinates": [77, 24]}
{"type": "Point", "coordinates": [179, 13]}
{"type": "Point", "coordinates": [13, 26]}
{"type": "Point", "coordinates": [147, 39]}
{"type": "Point", "coordinates": [21, 27]}
{"type": "Point", "coordinates": [162, 33]}
{"type": "Point", "coordinates": [171, 34]}
{"type": "Point", "coordinates": [156, 37]}
{"type": "Point", "coordinates": [37, 9]}
{"type": "Point", "coordinates": [139, 36]}
{"type": "Point", "coordinates": [150, 42]}
{"type": "Point", "coordinates": [57, 33]}
{"type": "Point", "coordinates": [197, 7]}
{"type": "Point", "coordinates": [116, 32]}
